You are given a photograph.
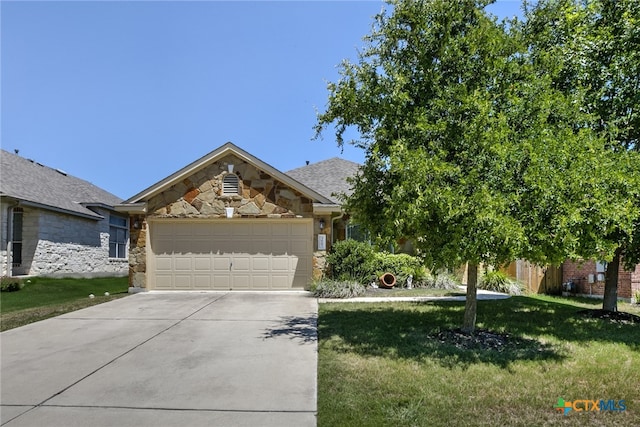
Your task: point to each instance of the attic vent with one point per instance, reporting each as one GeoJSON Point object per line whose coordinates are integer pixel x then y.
{"type": "Point", "coordinates": [61, 172]}
{"type": "Point", "coordinates": [230, 184]}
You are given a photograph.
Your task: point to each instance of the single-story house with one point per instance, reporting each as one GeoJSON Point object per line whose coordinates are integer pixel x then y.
{"type": "Point", "coordinates": [230, 221]}
{"type": "Point", "coordinates": [54, 224]}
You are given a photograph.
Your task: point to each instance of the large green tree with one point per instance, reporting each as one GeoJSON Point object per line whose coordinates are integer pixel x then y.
{"type": "Point", "coordinates": [469, 150]}
{"type": "Point", "coordinates": [596, 47]}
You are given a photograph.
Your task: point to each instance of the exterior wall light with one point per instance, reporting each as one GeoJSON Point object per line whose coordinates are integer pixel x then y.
{"type": "Point", "coordinates": [321, 224]}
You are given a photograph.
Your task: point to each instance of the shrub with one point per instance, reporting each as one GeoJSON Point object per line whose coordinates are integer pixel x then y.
{"type": "Point", "coordinates": [350, 260]}
{"type": "Point", "coordinates": [337, 289]}
{"type": "Point", "coordinates": [10, 284]}
{"type": "Point", "coordinates": [443, 280]}
{"type": "Point", "coordinates": [498, 281]}
{"type": "Point", "coordinates": [400, 265]}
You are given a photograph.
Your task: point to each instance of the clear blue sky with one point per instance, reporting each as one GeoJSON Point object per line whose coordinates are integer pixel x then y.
{"type": "Point", "coordinates": [122, 94]}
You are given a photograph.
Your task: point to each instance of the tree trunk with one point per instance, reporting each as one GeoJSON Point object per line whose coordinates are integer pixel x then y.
{"type": "Point", "coordinates": [610, 302]}
{"type": "Point", "coordinates": [471, 306]}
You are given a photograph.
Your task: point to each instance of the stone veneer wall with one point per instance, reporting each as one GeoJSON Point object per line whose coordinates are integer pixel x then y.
{"type": "Point", "coordinates": [138, 252]}
{"type": "Point", "coordinates": [200, 196]}
{"type": "Point", "coordinates": [73, 246]}
{"type": "Point", "coordinates": [55, 244]}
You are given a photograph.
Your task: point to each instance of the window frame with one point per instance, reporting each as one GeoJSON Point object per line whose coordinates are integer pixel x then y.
{"type": "Point", "coordinates": [120, 248]}
{"type": "Point", "coordinates": [17, 230]}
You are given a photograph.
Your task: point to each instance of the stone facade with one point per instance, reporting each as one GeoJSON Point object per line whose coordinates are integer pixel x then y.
{"type": "Point", "coordinates": [138, 252]}
{"type": "Point", "coordinates": [201, 195]}
{"type": "Point", "coordinates": [56, 244]}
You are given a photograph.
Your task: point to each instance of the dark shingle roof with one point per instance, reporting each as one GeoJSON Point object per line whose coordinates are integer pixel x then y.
{"type": "Point", "coordinates": [32, 182]}
{"type": "Point", "coordinates": [328, 177]}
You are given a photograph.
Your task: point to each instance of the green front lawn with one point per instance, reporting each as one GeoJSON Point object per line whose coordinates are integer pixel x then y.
{"type": "Point", "coordinates": [382, 364]}
{"type": "Point", "coordinates": [42, 298]}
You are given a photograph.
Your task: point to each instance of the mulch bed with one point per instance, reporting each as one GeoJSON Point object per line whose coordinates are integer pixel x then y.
{"type": "Point", "coordinates": [481, 339]}
{"type": "Point", "coordinates": [612, 316]}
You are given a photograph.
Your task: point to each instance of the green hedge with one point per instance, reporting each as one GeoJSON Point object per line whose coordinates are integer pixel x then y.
{"type": "Point", "coordinates": [401, 266]}
{"type": "Point", "coordinates": [350, 260]}
{"type": "Point", "coordinates": [10, 284]}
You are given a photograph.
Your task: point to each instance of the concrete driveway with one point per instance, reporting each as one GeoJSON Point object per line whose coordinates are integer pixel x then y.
{"type": "Point", "coordinates": [165, 359]}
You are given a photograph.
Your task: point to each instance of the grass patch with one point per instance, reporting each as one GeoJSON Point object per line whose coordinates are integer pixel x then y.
{"type": "Point", "coordinates": [390, 364]}
{"type": "Point", "coordinates": [42, 298]}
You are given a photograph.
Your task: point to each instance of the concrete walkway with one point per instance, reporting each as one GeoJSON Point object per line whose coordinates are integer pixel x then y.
{"type": "Point", "coordinates": [154, 359]}
{"type": "Point", "coordinates": [482, 295]}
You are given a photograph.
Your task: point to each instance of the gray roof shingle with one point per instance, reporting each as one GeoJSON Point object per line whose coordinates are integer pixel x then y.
{"type": "Point", "coordinates": [328, 177]}
{"type": "Point", "coordinates": [32, 182]}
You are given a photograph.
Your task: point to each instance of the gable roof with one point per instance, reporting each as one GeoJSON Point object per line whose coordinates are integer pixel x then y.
{"type": "Point", "coordinates": [215, 155]}
{"type": "Point", "coordinates": [328, 177]}
{"type": "Point", "coordinates": [38, 185]}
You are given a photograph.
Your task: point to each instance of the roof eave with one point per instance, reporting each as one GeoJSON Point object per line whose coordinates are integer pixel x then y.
{"type": "Point", "coordinates": [29, 203]}
{"type": "Point", "coordinates": [224, 150]}
{"type": "Point", "coordinates": [131, 208]}
{"type": "Point", "coordinates": [326, 208]}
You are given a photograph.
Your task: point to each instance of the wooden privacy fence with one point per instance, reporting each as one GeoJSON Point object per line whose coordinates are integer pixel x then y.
{"type": "Point", "coordinates": [537, 279]}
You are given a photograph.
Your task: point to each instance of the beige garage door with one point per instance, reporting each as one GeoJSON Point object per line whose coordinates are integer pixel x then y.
{"type": "Point", "coordinates": [230, 254]}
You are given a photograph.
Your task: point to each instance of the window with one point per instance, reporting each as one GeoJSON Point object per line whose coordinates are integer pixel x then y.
{"type": "Point", "coordinates": [16, 236]}
{"type": "Point", "coordinates": [356, 232]}
{"type": "Point", "coordinates": [117, 237]}
{"type": "Point", "coordinates": [230, 185]}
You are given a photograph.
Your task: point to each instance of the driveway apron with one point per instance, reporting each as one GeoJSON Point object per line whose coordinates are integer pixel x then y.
{"type": "Point", "coordinates": [164, 359]}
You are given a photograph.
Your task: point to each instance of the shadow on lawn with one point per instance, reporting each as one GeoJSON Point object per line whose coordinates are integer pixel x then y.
{"type": "Point", "coordinates": [422, 330]}
{"type": "Point", "coordinates": [564, 321]}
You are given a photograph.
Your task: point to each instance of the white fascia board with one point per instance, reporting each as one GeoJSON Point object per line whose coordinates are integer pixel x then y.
{"type": "Point", "coordinates": [132, 208]}
{"type": "Point", "coordinates": [324, 208]}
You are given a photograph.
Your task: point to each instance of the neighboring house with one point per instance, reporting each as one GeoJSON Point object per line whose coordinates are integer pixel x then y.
{"type": "Point", "coordinates": [231, 221]}
{"type": "Point", "coordinates": [588, 279]}
{"type": "Point", "coordinates": [53, 224]}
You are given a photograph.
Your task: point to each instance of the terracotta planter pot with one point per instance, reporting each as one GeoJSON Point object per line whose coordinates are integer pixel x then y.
{"type": "Point", "coordinates": [387, 280]}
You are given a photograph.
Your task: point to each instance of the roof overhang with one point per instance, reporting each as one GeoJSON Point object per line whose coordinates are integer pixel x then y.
{"type": "Point", "coordinates": [28, 203]}
{"type": "Point", "coordinates": [326, 209]}
{"type": "Point", "coordinates": [217, 154]}
{"type": "Point", "coordinates": [132, 208]}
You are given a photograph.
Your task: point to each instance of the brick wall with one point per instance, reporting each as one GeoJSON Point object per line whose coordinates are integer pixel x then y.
{"type": "Point", "coordinates": [579, 271]}
{"type": "Point", "coordinates": [635, 284]}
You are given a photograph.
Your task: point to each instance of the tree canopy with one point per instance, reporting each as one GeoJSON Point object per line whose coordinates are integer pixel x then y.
{"type": "Point", "coordinates": [471, 148]}
{"type": "Point", "coordinates": [596, 46]}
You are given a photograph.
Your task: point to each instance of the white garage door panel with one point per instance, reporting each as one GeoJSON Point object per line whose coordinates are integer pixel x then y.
{"type": "Point", "coordinates": [202, 264]}
{"type": "Point", "coordinates": [223, 255]}
{"type": "Point", "coordinates": [221, 263]}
